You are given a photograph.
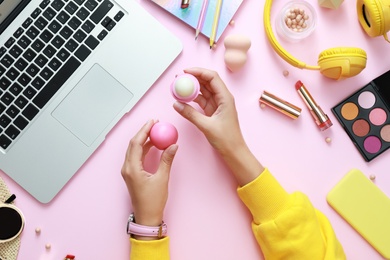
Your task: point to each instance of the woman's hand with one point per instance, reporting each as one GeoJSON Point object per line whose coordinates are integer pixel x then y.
{"type": "Point", "coordinates": [148, 191]}
{"type": "Point", "coordinates": [219, 123]}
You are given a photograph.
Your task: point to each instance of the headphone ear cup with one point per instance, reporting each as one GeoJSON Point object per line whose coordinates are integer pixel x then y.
{"type": "Point", "coordinates": [342, 62]}
{"type": "Point", "coordinates": [371, 17]}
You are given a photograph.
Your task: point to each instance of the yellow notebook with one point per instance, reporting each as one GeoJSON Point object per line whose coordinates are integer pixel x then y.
{"type": "Point", "coordinates": [365, 207]}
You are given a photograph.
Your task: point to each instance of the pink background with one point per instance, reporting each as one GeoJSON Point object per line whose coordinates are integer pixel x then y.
{"type": "Point", "coordinates": [206, 219]}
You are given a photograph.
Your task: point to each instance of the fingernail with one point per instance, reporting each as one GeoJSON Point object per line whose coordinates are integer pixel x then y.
{"type": "Point", "coordinates": [178, 105]}
{"type": "Point", "coordinates": [172, 149]}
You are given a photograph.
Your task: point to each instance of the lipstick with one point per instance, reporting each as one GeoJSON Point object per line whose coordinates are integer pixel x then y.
{"type": "Point", "coordinates": [320, 118]}
{"type": "Point", "coordinates": [280, 105]}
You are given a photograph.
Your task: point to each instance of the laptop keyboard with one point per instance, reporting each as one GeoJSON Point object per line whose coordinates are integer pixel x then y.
{"type": "Point", "coordinates": [43, 53]}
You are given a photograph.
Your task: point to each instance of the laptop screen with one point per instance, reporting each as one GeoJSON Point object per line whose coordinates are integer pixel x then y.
{"type": "Point", "coordinates": [9, 9]}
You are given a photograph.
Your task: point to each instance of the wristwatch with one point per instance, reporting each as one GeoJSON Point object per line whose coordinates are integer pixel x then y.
{"type": "Point", "coordinates": [146, 231]}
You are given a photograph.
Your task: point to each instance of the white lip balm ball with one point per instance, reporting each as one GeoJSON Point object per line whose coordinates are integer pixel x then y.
{"type": "Point", "coordinates": [185, 87]}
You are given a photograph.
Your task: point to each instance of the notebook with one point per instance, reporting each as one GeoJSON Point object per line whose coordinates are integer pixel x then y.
{"type": "Point", "coordinates": [190, 15]}
{"type": "Point", "coordinates": [69, 70]}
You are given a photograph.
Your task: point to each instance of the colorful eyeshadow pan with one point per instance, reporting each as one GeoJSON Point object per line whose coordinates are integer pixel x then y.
{"type": "Point", "coordinates": [365, 116]}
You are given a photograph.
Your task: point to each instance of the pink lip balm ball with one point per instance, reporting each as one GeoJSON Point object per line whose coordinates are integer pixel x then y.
{"type": "Point", "coordinates": [163, 135]}
{"type": "Point", "coordinates": [185, 88]}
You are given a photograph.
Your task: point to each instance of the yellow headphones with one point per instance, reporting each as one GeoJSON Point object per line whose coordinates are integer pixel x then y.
{"type": "Point", "coordinates": [335, 63]}
{"type": "Point", "coordinates": [374, 17]}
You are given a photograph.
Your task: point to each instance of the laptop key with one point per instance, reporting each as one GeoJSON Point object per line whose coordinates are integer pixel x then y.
{"type": "Point", "coordinates": [38, 45]}
{"type": "Point", "coordinates": [79, 2]}
{"type": "Point", "coordinates": [82, 13]}
{"type": "Point", "coordinates": [30, 112]}
{"type": "Point", "coordinates": [63, 17]}
{"type": "Point", "coordinates": [2, 51]}
{"type": "Point", "coordinates": [82, 52]}
{"type": "Point", "coordinates": [101, 11]}
{"type": "Point", "coordinates": [44, 3]}
{"type": "Point", "coordinates": [21, 122]}
{"type": "Point", "coordinates": [41, 60]}
{"type": "Point", "coordinates": [91, 4]}
{"type": "Point", "coordinates": [29, 92]}
{"type": "Point", "coordinates": [102, 34]}
{"type": "Point", "coordinates": [9, 42]}
{"type": "Point", "coordinates": [4, 83]}
{"type": "Point", "coordinates": [66, 32]}
{"type": "Point", "coordinates": [63, 54]}
{"type": "Point", "coordinates": [12, 132]}
{"type": "Point", "coordinates": [46, 36]}
{"type": "Point", "coordinates": [20, 64]}
{"type": "Point", "coordinates": [12, 111]}
{"type": "Point", "coordinates": [32, 70]}
{"type": "Point", "coordinates": [27, 23]}
{"type": "Point", "coordinates": [54, 64]}
{"type": "Point", "coordinates": [29, 55]}
{"type": "Point", "coordinates": [57, 42]}
{"type": "Point", "coordinates": [4, 121]}
{"type": "Point", "coordinates": [21, 102]}
{"type": "Point", "coordinates": [4, 141]}
{"type": "Point", "coordinates": [71, 45]}
{"type": "Point", "coordinates": [88, 26]}
{"type": "Point", "coordinates": [74, 23]}
{"type": "Point", "coordinates": [41, 23]}
{"type": "Point", "coordinates": [56, 82]}
{"type": "Point", "coordinates": [7, 98]}
{"type": "Point", "coordinates": [2, 108]}
{"type": "Point", "coordinates": [12, 73]}
{"type": "Point", "coordinates": [18, 32]}
{"type": "Point", "coordinates": [2, 70]}
{"type": "Point", "coordinates": [118, 16]}
{"type": "Point", "coordinates": [24, 79]}
{"type": "Point", "coordinates": [91, 42]}
{"type": "Point", "coordinates": [24, 42]}
{"type": "Point", "coordinates": [38, 83]}
{"type": "Point", "coordinates": [71, 7]}
{"type": "Point", "coordinates": [49, 13]}
{"type": "Point", "coordinates": [49, 51]}
{"type": "Point", "coordinates": [32, 32]}
{"type": "Point", "coordinates": [54, 26]}
{"type": "Point", "coordinates": [35, 13]}
{"type": "Point", "coordinates": [57, 4]}
{"type": "Point", "coordinates": [46, 73]}
{"type": "Point", "coordinates": [15, 89]}
{"type": "Point", "coordinates": [7, 61]}
{"type": "Point", "coordinates": [79, 36]}
{"type": "Point", "coordinates": [15, 51]}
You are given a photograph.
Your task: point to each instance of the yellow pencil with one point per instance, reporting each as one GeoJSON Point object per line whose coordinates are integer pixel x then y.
{"type": "Point", "coordinates": [215, 23]}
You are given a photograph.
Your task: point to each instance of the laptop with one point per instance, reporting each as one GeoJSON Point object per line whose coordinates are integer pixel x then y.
{"type": "Point", "coordinates": [69, 71]}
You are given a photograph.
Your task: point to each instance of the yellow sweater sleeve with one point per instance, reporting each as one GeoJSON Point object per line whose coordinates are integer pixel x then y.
{"type": "Point", "coordinates": [287, 226]}
{"type": "Point", "coordinates": [149, 250]}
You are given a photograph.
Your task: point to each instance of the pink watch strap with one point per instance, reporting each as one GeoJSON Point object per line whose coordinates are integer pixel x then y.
{"type": "Point", "coordinates": [147, 231]}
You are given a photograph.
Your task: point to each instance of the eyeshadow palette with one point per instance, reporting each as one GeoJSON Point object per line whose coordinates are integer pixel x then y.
{"type": "Point", "coordinates": [365, 116]}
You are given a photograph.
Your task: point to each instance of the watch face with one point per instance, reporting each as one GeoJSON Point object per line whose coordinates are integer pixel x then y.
{"type": "Point", "coordinates": [11, 222]}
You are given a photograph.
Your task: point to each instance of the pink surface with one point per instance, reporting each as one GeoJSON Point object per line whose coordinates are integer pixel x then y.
{"type": "Point", "coordinates": [205, 218]}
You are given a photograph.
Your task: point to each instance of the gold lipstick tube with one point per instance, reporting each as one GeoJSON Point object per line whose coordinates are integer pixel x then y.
{"type": "Point", "coordinates": [280, 105]}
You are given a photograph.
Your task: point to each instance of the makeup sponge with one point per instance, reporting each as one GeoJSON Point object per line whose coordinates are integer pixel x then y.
{"type": "Point", "coordinates": [185, 87]}
{"type": "Point", "coordinates": [236, 48]}
{"type": "Point", "coordinates": [163, 135]}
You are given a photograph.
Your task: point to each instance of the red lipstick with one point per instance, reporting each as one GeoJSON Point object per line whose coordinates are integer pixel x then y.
{"type": "Point", "coordinates": [320, 118]}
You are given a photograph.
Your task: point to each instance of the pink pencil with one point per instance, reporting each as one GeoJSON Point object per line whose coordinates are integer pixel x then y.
{"type": "Point", "coordinates": [201, 18]}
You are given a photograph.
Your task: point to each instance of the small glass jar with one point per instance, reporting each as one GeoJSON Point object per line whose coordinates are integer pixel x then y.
{"type": "Point", "coordinates": [296, 21]}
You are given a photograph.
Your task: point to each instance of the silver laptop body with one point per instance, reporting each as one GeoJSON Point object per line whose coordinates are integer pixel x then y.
{"type": "Point", "coordinates": [110, 80]}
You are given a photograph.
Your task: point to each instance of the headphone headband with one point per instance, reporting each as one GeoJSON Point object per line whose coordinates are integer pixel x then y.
{"type": "Point", "coordinates": [276, 46]}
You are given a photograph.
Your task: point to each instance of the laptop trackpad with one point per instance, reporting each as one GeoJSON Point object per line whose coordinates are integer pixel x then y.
{"type": "Point", "coordinates": [92, 104]}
